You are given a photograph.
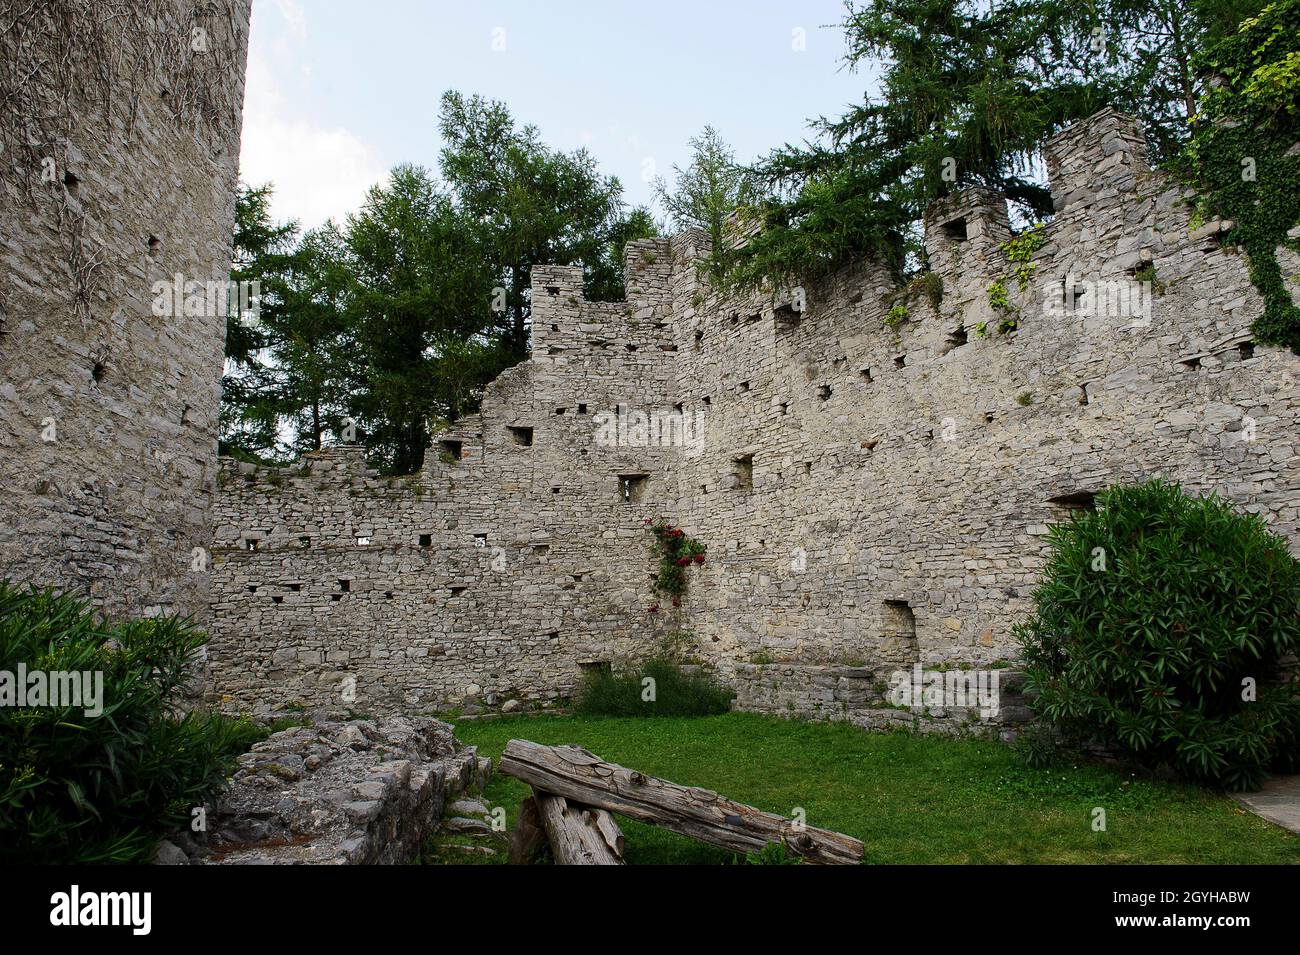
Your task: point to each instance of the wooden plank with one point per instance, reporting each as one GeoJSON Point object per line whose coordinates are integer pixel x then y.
{"type": "Point", "coordinates": [584, 778]}
{"type": "Point", "coordinates": [579, 835]}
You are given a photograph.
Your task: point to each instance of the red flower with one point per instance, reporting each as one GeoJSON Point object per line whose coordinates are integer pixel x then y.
{"type": "Point", "coordinates": [653, 608]}
{"type": "Point", "coordinates": [683, 561]}
{"type": "Point", "coordinates": [699, 558]}
{"type": "Point", "coordinates": [677, 601]}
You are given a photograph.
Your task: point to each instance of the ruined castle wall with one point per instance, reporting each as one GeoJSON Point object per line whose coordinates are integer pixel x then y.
{"type": "Point", "coordinates": [873, 490]}
{"type": "Point", "coordinates": [108, 412]}
{"type": "Point", "coordinates": [905, 476]}
{"type": "Point", "coordinates": [507, 564]}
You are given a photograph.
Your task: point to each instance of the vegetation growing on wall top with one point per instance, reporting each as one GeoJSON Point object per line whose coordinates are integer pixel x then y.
{"type": "Point", "coordinates": [1242, 154]}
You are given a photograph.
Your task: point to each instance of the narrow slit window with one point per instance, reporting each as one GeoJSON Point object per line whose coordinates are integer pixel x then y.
{"type": "Point", "coordinates": [1071, 501]}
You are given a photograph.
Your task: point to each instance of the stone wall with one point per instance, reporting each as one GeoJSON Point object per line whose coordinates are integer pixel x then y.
{"type": "Point", "coordinates": [873, 491]}
{"type": "Point", "coordinates": [364, 792]}
{"type": "Point", "coordinates": [862, 696]}
{"type": "Point", "coordinates": [500, 570]}
{"type": "Point", "coordinates": [119, 143]}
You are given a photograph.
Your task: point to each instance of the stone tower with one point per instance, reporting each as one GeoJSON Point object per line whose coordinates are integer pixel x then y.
{"type": "Point", "coordinates": [120, 144]}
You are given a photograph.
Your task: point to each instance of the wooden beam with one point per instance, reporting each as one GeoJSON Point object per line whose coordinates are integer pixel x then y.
{"type": "Point", "coordinates": [586, 779]}
{"type": "Point", "coordinates": [579, 835]}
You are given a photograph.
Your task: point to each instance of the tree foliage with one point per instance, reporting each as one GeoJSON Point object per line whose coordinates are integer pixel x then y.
{"type": "Point", "coordinates": [262, 251]}
{"type": "Point", "coordinates": [533, 205]}
{"type": "Point", "coordinates": [1242, 154]}
{"type": "Point", "coordinates": [395, 319]}
{"type": "Point", "coordinates": [419, 299]}
{"type": "Point", "coordinates": [710, 189]}
{"type": "Point", "coordinates": [969, 94]}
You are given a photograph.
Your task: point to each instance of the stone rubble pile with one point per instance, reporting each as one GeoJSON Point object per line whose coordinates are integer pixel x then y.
{"type": "Point", "coordinates": [345, 793]}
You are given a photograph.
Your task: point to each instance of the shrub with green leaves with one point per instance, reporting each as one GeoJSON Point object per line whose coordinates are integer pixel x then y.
{"type": "Point", "coordinates": [89, 789]}
{"type": "Point", "coordinates": [1158, 632]}
{"type": "Point", "coordinates": [677, 692]}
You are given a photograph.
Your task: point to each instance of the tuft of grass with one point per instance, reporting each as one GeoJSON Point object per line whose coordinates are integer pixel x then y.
{"type": "Point", "coordinates": [909, 798]}
{"type": "Point", "coordinates": [658, 687]}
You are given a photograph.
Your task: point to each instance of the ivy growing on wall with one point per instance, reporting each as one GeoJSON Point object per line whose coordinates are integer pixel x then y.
{"type": "Point", "coordinates": [1021, 251]}
{"type": "Point", "coordinates": [676, 552]}
{"type": "Point", "coordinates": [1241, 155]}
{"type": "Point", "coordinates": [1000, 302]}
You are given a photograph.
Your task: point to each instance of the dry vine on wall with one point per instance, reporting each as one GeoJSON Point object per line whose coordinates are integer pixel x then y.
{"type": "Point", "coordinates": [65, 57]}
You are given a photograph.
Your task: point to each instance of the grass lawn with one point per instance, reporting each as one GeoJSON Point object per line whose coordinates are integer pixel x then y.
{"type": "Point", "coordinates": [910, 799]}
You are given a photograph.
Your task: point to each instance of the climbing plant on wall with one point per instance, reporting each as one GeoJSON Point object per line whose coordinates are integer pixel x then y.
{"type": "Point", "coordinates": [676, 552]}
{"type": "Point", "coordinates": [1020, 252]}
{"type": "Point", "coordinates": [1241, 156]}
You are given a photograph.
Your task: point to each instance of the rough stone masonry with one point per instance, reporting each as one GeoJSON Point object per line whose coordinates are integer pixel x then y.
{"type": "Point", "coordinates": [873, 483]}
{"type": "Point", "coordinates": [363, 792]}
{"type": "Point", "coordinates": [119, 144]}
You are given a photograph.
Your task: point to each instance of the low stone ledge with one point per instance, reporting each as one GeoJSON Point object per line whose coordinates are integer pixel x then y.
{"type": "Point", "coordinates": [338, 793]}
{"type": "Point", "coordinates": [859, 695]}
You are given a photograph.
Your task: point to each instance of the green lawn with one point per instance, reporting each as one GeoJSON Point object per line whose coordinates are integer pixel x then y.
{"type": "Point", "coordinates": [910, 799]}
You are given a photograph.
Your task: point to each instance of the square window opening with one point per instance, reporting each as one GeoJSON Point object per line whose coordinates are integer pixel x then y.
{"type": "Point", "coordinates": [956, 230]}
{"type": "Point", "coordinates": [632, 487]}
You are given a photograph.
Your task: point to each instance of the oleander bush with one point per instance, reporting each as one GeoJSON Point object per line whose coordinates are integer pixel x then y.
{"type": "Point", "coordinates": [1161, 624]}
{"type": "Point", "coordinates": [79, 788]}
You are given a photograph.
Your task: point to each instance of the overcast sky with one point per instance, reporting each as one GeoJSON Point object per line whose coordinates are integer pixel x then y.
{"type": "Point", "coordinates": [339, 91]}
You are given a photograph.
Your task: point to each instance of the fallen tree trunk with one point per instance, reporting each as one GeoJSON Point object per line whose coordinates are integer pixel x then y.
{"type": "Point", "coordinates": [579, 835]}
{"type": "Point", "coordinates": [586, 779]}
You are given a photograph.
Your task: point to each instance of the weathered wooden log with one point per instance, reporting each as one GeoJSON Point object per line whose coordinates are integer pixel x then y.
{"type": "Point", "coordinates": [584, 778]}
{"type": "Point", "coordinates": [528, 835]}
{"type": "Point", "coordinates": [579, 835]}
